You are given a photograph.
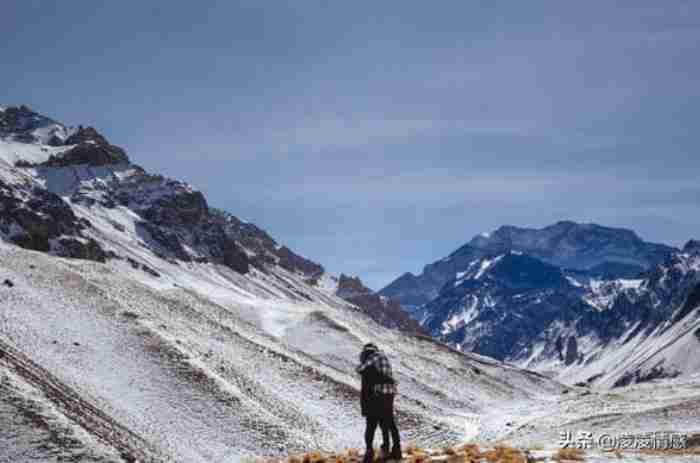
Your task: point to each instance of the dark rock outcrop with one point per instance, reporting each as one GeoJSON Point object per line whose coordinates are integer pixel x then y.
{"type": "Point", "coordinates": [235, 257]}
{"type": "Point", "coordinates": [295, 263]}
{"type": "Point", "coordinates": [349, 287]}
{"type": "Point", "coordinates": [43, 221]}
{"type": "Point", "coordinates": [90, 154]}
{"type": "Point", "coordinates": [182, 208]}
{"type": "Point", "coordinates": [86, 135]}
{"type": "Point", "coordinates": [636, 377]}
{"type": "Point", "coordinates": [385, 311]}
{"type": "Point", "coordinates": [90, 148]}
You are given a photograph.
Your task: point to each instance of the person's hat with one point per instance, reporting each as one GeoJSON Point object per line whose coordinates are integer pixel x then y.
{"type": "Point", "coordinates": [369, 347]}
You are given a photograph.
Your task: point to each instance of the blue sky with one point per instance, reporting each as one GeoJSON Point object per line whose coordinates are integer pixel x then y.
{"type": "Point", "coordinates": [376, 137]}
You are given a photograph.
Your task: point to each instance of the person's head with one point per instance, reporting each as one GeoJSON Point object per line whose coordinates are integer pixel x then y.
{"type": "Point", "coordinates": [367, 350]}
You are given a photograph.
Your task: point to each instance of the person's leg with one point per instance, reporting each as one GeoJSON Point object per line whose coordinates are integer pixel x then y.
{"type": "Point", "coordinates": [391, 424]}
{"type": "Point", "coordinates": [395, 439]}
{"type": "Point", "coordinates": [369, 437]}
{"type": "Point", "coordinates": [386, 444]}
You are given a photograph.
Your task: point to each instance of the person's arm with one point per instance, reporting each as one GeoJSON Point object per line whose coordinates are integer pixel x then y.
{"type": "Point", "coordinates": [364, 395]}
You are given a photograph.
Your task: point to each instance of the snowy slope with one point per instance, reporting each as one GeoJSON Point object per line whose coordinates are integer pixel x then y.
{"type": "Point", "coordinates": [207, 365]}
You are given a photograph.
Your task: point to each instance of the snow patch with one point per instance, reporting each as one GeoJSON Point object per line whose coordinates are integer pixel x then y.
{"type": "Point", "coordinates": [485, 265]}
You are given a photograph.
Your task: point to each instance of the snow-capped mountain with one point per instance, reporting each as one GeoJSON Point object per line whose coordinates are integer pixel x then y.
{"type": "Point", "coordinates": [84, 198]}
{"type": "Point", "coordinates": [575, 324]}
{"type": "Point", "coordinates": [138, 323]}
{"type": "Point", "coordinates": [600, 251]}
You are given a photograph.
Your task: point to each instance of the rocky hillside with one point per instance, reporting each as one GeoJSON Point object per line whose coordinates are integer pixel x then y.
{"type": "Point", "coordinates": [57, 179]}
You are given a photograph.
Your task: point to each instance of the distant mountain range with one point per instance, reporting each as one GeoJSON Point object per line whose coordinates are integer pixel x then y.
{"type": "Point", "coordinates": [582, 302]}
{"type": "Point", "coordinates": [600, 251]}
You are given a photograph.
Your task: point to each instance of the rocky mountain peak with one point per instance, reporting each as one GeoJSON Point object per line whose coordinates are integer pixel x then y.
{"type": "Point", "coordinates": [169, 218]}
{"type": "Point", "coordinates": [597, 250]}
{"type": "Point", "coordinates": [91, 148]}
{"type": "Point", "coordinates": [579, 246]}
{"type": "Point", "coordinates": [89, 153]}
{"type": "Point", "coordinates": [24, 125]}
{"type": "Point", "coordinates": [84, 145]}
{"type": "Point", "coordinates": [86, 135]}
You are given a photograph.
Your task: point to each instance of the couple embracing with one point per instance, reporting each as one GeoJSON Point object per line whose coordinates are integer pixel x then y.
{"type": "Point", "coordinates": [377, 402]}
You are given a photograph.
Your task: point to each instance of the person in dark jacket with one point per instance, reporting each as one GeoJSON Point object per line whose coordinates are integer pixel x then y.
{"type": "Point", "coordinates": [370, 377]}
{"type": "Point", "coordinates": [377, 401]}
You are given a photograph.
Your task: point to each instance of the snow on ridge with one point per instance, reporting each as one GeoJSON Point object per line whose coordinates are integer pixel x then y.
{"type": "Point", "coordinates": [327, 283]}
{"type": "Point", "coordinates": [630, 283]}
{"type": "Point", "coordinates": [603, 293]}
{"type": "Point", "coordinates": [11, 152]}
{"type": "Point", "coordinates": [461, 318]}
{"type": "Point", "coordinates": [487, 264]}
{"type": "Point", "coordinates": [44, 133]}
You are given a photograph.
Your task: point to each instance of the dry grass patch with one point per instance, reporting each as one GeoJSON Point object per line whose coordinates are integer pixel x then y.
{"type": "Point", "coordinates": [467, 453]}
{"type": "Point", "coordinates": [313, 457]}
{"type": "Point", "coordinates": [569, 455]}
{"type": "Point", "coordinates": [414, 454]}
{"type": "Point", "coordinates": [472, 451]}
{"type": "Point", "coordinates": [686, 451]}
{"type": "Point", "coordinates": [693, 448]}
{"type": "Point", "coordinates": [504, 454]}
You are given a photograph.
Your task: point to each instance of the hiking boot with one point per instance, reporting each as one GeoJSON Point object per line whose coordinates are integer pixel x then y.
{"type": "Point", "coordinates": [369, 456]}
{"type": "Point", "coordinates": [396, 453]}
